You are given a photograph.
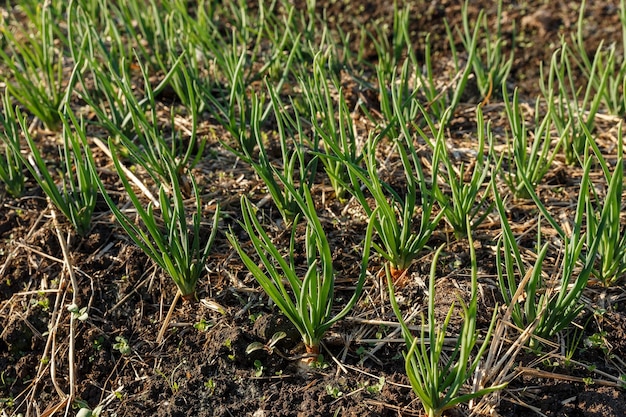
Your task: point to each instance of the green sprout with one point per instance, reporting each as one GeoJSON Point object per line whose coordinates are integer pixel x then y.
{"type": "Point", "coordinates": [11, 164]}
{"type": "Point", "coordinates": [170, 239]}
{"type": "Point", "coordinates": [121, 345]}
{"type": "Point", "coordinates": [531, 161]}
{"type": "Point", "coordinates": [76, 195]}
{"type": "Point", "coordinates": [306, 301]}
{"type": "Point", "coordinates": [394, 216]}
{"type": "Point", "coordinates": [438, 378]}
{"type": "Point", "coordinates": [554, 307]}
{"type": "Point", "coordinates": [35, 65]}
{"type": "Point", "coordinates": [464, 200]}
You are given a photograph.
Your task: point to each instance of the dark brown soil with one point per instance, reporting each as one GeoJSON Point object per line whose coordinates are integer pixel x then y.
{"type": "Point", "coordinates": [202, 369]}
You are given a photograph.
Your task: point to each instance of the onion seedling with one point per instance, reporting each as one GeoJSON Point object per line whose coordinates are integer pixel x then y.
{"type": "Point", "coordinates": [490, 65]}
{"type": "Point", "coordinates": [555, 307]}
{"type": "Point", "coordinates": [76, 196]}
{"type": "Point", "coordinates": [464, 200]}
{"type": "Point", "coordinates": [394, 218]}
{"type": "Point", "coordinates": [566, 105]}
{"type": "Point", "coordinates": [332, 123]}
{"type": "Point", "coordinates": [35, 65]}
{"type": "Point", "coordinates": [175, 245]}
{"type": "Point", "coordinates": [306, 301]}
{"type": "Point", "coordinates": [438, 379]}
{"type": "Point", "coordinates": [11, 164]}
{"type": "Point", "coordinates": [612, 247]}
{"type": "Point", "coordinates": [394, 215]}
{"type": "Point", "coordinates": [604, 60]}
{"type": "Point", "coordinates": [294, 167]}
{"type": "Point", "coordinates": [532, 162]}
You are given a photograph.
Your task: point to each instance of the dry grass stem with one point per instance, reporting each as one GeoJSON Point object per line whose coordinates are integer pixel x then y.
{"type": "Point", "coordinates": [104, 148]}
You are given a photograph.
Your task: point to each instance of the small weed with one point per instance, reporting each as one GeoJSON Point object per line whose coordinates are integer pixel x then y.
{"type": "Point", "coordinates": [254, 316]}
{"type": "Point", "coordinates": [122, 345]}
{"type": "Point", "coordinates": [361, 351]}
{"type": "Point", "coordinates": [382, 331]}
{"type": "Point", "coordinates": [42, 302]}
{"type": "Point", "coordinates": [598, 341]}
{"type": "Point", "coordinates": [258, 368]}
{"type": "Point", "coordinates": [375, 388]}
{"type": "Point", "coordinates": [97, 343]}
{"type": "Point", "coordinates": [8, 402]}
{"type": "Point", "coordinates": [228, 345]}
{"type": "Point", "coordinates": [171, 381]}
{"type": "Point", "coordinates": [269, 346]}
{"type": "Point", "coordinates": [78, 313]}
{"type": "Point", "coordinates": [334, 391]}
{"type": "Point", "coordinates": [319, 362]}
{"type": "Point", "coordinates": [203, 325]}
{"type": "Point", "coordinates": [210, 386]}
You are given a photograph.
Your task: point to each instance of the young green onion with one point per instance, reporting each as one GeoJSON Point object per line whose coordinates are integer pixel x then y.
{"type": "Point", "coordinates": [307, 300]}
{"type": "Point", "coordinates": [170, 240]}
{"type": "Point", "coordinates": [11, 164]}
{"type": "Point", "coordinates": [76, 194]}
{"type": "Point", "coordinates": [464, 200]}
{"type": "Point", "coordinates": [437, 378]}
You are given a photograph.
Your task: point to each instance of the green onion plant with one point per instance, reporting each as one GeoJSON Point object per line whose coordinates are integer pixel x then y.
{"type": "Point", "coordinates": [175, 243]}
{"type": "Point", "coordinates": [107, 75]}
{"type": "Point", "coordinates": [332, 123]}
{"type": "Point", "coordinates": [241, 57]}
{"type": "Point", "coordinates": [296, 169]}
{"type": "Point", "coordinates": [438, 99]}
{"type": "Point", "coordinates": [528, 160]}
{"type": "Point", "coordinates": [419, 78]}
{"type": "Point", "coordinates": [393, 42]}
{"type": "Point", "coordinates": [11, 164]}
{"type": "Point", "coordinates": [555, 306]}
{"type": "Point", "coordinates": [394, 216]}
{"type": "Point", "coordinates": [611, 90]}
{"type": "Point", "coordinates": [102, 64]}
{"type": "Point", "coordinates": [143, 24]}
{"type": "Point", "coordinates": [561, 92]}
{"type": "Point", "coordinates": [611, 266]}
{"type": "Point", "coordinates": [293, 166]}
{"type": "Point", "coordinates": [441, 380]}
{"type": "Point", "coordinates": [458, 84]}
{"type": "Point", "coordinates": [104, 98]}
{"type": "Point", "coordinates": [35, 65]}
{"type": "Point", "coordinates": [187, 79]}
{"type": "Point", "coordinates": [237, 115]}
{"type": "Point", "coordinates": [464, 200]}
{"type": "Point", "coordinates": [398, 101]}
{"type": "Point", "coordinates": [152, 147]}
{"type": "Point", "coordinates": [140, 134]}
{"type": "Point", "coordinates": [489, 63]}
{"type": "Point", "coordinates": [76, 194]}
{"type": "Point", "coordinates": [307, 301]}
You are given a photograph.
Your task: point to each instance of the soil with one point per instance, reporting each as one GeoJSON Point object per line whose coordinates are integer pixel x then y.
{"type": "Point", "coordinates": [201, 368]}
